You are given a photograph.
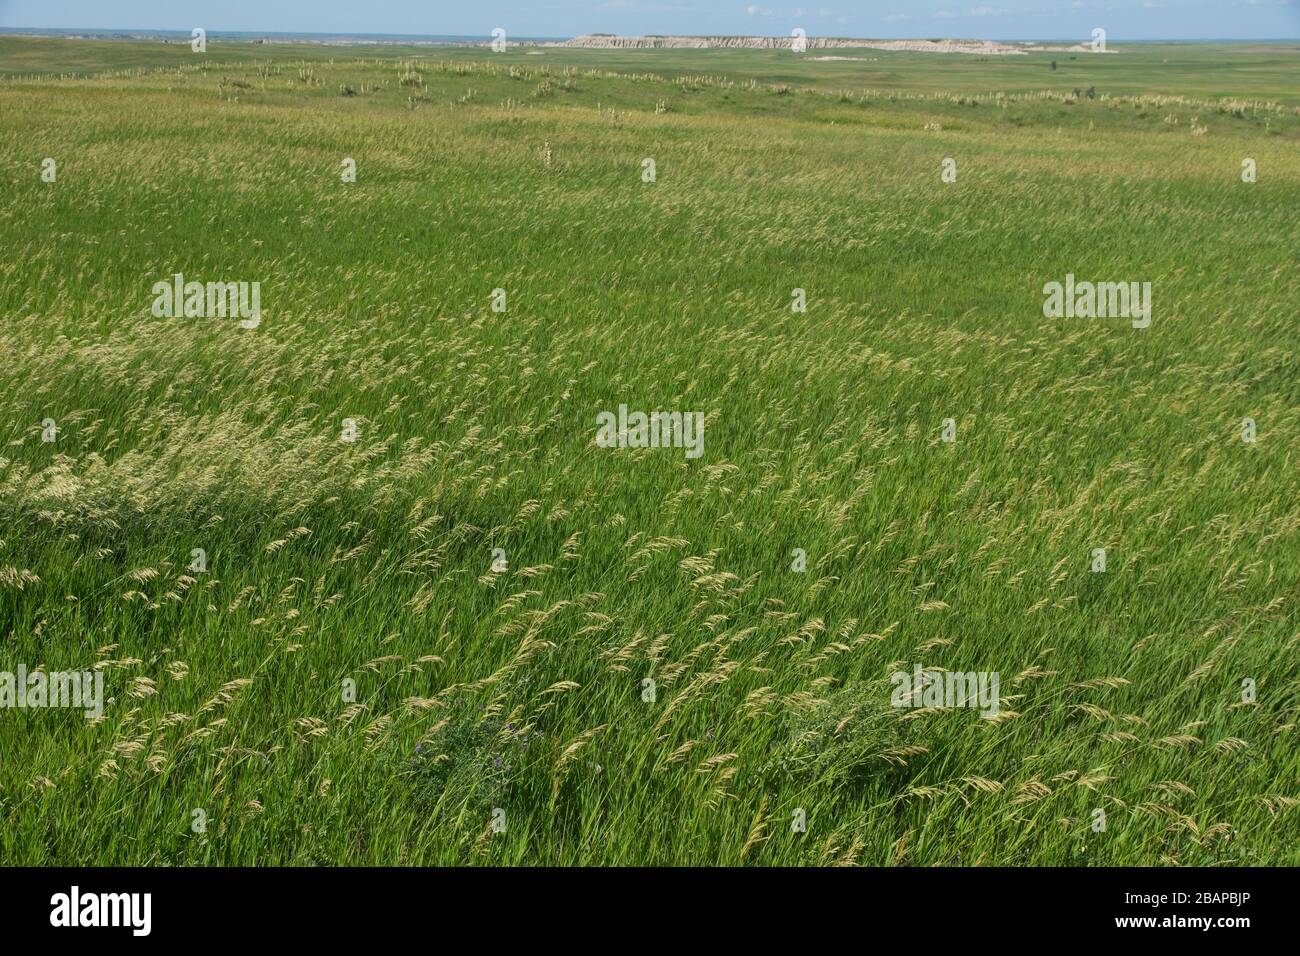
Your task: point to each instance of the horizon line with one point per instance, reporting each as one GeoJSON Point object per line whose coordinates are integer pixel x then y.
{"type": "Point", "coordinates": [775, 36]}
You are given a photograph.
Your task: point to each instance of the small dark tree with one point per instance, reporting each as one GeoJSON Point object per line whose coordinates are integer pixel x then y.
{"type": "Point", "coordinates": [1053, 64]}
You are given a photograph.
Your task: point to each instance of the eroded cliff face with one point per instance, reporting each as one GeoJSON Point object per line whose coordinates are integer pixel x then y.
{"type": "Point", "coordinates": [609, 41]}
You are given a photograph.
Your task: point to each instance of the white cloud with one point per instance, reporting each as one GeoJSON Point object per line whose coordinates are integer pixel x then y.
{"type": "Point", "coordinates": [981, 11]}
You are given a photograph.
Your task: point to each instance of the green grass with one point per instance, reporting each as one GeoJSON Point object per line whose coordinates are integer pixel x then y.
{"type": "Point", "coordinates": [370, 561]}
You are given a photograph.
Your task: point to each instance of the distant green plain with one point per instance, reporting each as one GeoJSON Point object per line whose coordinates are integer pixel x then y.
{"type": "Point", "coordinates": [649, 680]}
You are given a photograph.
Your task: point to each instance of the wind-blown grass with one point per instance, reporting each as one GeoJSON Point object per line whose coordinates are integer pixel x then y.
{"type": "Point", "coordinates": [523, 690]}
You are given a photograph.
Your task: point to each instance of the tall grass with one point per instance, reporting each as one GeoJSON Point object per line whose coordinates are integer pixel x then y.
{"type": "Point", "coordinates": [524, 690]}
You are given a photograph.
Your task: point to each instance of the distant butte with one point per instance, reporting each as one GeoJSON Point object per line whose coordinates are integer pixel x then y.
{"type": "Point", "coordinates": [982, 47]}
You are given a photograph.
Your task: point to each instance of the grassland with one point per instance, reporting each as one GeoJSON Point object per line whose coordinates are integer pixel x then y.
{"type": "Point", "coordinates": [522, 690]}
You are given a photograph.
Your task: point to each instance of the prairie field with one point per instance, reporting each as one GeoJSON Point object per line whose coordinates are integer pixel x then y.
{"type": "Point", "coordinates": [364, 588]}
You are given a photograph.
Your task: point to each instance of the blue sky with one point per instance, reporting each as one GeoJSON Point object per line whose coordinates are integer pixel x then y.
{"type": "Point", "coordinates": [992, 19]}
